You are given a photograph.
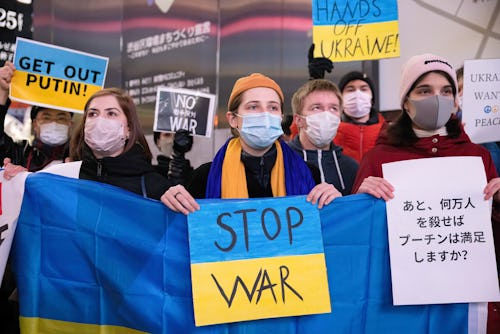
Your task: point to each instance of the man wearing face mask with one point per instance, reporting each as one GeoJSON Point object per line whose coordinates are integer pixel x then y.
{"type": "Point", "coordinates": [171, 160]}
{"type": "Point", "coordinates": [316, 107]}
{"type": "Point", "coordinates": [51, 129]}
{"type": "Point", "coordinates": [361, 122]}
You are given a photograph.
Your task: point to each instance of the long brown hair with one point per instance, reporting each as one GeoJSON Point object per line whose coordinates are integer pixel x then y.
{"type": "Point", "coordinates": [136, 135]}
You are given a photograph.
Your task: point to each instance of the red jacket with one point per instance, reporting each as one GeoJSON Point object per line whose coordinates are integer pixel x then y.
{"type": "Point", "coordinates": [430, 147]}
{"type": "Point", "coordinates": [357, 139]}
{"type": "Point", "coordinates": [436, 146]}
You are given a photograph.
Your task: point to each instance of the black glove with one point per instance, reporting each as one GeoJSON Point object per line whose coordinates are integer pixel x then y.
{"type": "Point", "coordinates": [179, 169]}
{"type": "Point", "coordinates": [183, 142]}
{"type": "Point", "coordinates": [318, 66]}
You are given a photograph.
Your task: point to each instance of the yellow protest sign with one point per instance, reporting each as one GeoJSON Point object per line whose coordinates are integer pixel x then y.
{"type": "Point", "coordinates": [55, 77]}
{"type": "Point", "coordinates": [355, 30]}
{"type": "Point", "coordinates": [259, 259]}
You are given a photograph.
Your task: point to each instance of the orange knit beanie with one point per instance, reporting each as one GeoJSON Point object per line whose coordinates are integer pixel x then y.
{"type": "Point", "coordinates": [252, 81]}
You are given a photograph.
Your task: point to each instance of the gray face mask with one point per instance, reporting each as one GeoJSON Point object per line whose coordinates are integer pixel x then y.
{"type": "Point", "coordinates": [432, 112]}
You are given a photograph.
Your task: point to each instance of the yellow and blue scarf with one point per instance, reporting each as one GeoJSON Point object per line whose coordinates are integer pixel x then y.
{"type": "Point", "coordinates": [227, 177]}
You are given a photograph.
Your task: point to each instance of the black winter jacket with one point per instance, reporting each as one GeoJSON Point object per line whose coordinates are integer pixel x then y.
{"type": "Point", "coordinates": [335, 168]}
{"type": "Point", "coordinates": [131, 171]}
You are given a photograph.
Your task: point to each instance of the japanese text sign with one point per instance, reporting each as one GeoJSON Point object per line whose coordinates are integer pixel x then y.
{"type": "Point", "coordinates": [346, 30]}
{"type": "Point", "coordinates": [184, 109]}
{"type": "Point", "coordinates": [481, 100]}
{"type": "Point", "coordinates": [440, 237]}
{"type": "Point", "coordinates": [55, 77]}
{"type": "Point", "coordinates": [254, 259]}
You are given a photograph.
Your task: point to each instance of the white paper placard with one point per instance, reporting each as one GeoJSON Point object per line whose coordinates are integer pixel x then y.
{"type": "Point", "coordinates": [439, 230]}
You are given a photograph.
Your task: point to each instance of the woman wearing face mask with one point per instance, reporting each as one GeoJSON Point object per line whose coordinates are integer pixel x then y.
{"type": "Point", "coordinates": [254, 163]}
{"type": "Point", "coordinates": [316, 107]}
{"type": "Point", "coordinates": [361, 122]}
{"type": "Point", "coordinates": [112, 148]}
{"type": "Point", "coordinates": [426, 128]}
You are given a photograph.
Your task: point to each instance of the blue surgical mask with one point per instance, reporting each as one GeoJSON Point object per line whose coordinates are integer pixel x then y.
{"type": "Point", "coordinates": [260, 130]}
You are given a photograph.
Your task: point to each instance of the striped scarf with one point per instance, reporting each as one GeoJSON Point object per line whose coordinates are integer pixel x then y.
{"type": "Point", "coordinates": [227, 177]}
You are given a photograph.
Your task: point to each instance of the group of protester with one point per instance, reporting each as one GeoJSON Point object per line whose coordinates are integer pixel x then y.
{"type": "Point", "coordinates": [337, 129]}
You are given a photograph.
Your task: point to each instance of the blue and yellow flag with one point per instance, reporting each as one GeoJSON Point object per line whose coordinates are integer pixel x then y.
{"type": "Point", "coordinates": [55, 77]}
{"type": "Point", "coordinates": [257, 259]}
{"type": "Point", "coordinates": [346, 30]}
{"type": "Point", "coordinates": [91, 258]}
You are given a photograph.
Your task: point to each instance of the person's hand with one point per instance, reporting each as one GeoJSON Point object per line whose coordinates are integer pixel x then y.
{"type": "Point", "coordinates": [6, 73]}
{"type": "Point", "coordinates": [179, 169]}
{"type": "Point", "coordinates": [183, 141]}
{"type": "Point", "coordinates": [378, 187]}
{"type": "Point", "coordinates": [318, 66]}
{"type": "Point", "coordinates": [11, 170]}
{"type": "Point", "coordinates": [323, 194]}
{"type": "Point", "coordinates": [492, 189]}
{"type": "Point", "coordinates": [178, 199]}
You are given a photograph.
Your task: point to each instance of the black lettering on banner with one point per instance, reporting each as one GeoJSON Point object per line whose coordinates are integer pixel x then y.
{"type": "Point", "coordinates": [37, 65]}
{"type": "Point", "coordinates": [294, 219]}
{"type": "Point", "coordinates": [3, 228]}
{"type": "Point", "coordinates": [82, 74]}
{"type": "Point", "coordinates": [229, 229]}
{"type": "Point", "coordinates": [291, 226]}
{"type": "Point", "coordinates": [262, 283]}
{"type": "Point", "coordinates": [56, 85]}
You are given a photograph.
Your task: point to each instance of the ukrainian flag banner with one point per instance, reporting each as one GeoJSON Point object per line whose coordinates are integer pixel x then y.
{"type": "Point", "coordinates": [92, 258]}
{"type": "Point", "coordinates": [55, 77]}
{"type": "Point", "coordinates": [345, 30]}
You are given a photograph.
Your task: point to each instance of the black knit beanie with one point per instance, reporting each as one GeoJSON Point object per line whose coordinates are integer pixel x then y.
{"type": "Point", "coordinates": [355, 75]}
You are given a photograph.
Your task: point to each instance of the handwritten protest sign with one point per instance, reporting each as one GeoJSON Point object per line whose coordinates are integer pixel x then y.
{"type": "Point", "coordinates": [11, 198]}
{"type": "Point", "coordinates": [254, 259]}
{"type": "Point", "coordinates": [345, 30]}
{"type": "Point", "coordinates": [184, 109]}
{"type": "Point", "coordinates": [55, 77]}
{"type": "Point", "coordinates": [481, 100]}
{"type": "Point", "coordinates": [440, 236]}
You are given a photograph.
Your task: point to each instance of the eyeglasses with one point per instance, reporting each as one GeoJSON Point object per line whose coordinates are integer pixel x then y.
{"type": "Point", "coordinates": [47, 117]}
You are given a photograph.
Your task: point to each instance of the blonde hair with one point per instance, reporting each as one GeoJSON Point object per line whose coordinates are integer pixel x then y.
{"type": "Point", "coordinates": [312, 86]}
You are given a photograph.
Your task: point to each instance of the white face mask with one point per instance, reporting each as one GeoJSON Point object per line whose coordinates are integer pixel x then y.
{"type": "Point", "coordinates": [357, 104]}
{"type": "Point", "coordinates": [322, 128]}
{"type": "Point", "coordinates": [54, 134]}
{"type": "Point", "coordinates": [166, 145]}
{"type": "Point", "coordinates": [104, 136]}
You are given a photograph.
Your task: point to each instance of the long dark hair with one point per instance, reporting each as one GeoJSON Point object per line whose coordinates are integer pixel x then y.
{"type": "Point", "coordinates": [400, 132]}
{"type": "Point", "coordinates": [136, 135]}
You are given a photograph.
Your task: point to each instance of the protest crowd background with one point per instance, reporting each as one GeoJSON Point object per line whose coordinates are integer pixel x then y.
{"type": "Point", "coordinates": [124, 113]}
